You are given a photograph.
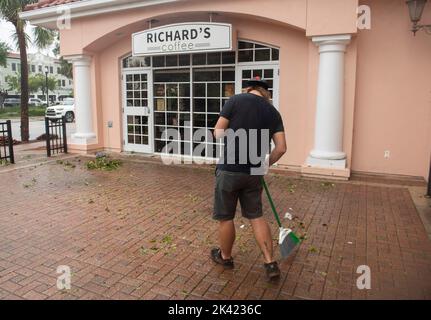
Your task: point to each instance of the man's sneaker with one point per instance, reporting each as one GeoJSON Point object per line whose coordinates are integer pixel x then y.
{"type": "Point", "coordinates": [272, 270]}
{"type": "Point", "coordinates": [217, 258]}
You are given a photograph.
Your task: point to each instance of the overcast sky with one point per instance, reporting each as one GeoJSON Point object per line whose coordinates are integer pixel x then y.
{"type": "Point", "coordinates": [6, 32]}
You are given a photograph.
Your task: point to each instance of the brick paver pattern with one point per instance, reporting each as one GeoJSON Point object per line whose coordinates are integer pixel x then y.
{"type": "Point", "coordinates": [145, 231]}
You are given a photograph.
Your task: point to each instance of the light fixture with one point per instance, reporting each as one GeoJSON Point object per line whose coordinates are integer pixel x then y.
{"type": "Point", "coordinates": [416, 8]}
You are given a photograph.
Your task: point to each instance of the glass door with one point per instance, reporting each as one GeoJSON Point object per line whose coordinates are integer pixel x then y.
{"type": "Point", "coordinates": [172, 111]}
{"type": "Point", "coordinates": [269, 73]}
{"type": "Point", "coordinates": [137, 111]}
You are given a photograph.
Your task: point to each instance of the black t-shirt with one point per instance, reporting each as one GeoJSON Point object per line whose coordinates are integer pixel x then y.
{"type": "Point", "coordinates": [253, 121]}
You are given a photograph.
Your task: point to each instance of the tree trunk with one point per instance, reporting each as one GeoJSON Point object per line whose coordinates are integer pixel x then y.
{"type": "Point", "coordinates": [24, 83]}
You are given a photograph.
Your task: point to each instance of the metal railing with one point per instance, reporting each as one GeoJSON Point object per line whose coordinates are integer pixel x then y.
{"type": "Point", "coordinates": [56, 141]}
{"type": "Point", "coordinates": [6, 142]}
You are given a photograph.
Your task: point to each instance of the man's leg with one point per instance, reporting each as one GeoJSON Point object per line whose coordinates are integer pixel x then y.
{"type": "Point", "coordinates": [263, 236]}
{"type": "Point", "coordinates": [226, 238]}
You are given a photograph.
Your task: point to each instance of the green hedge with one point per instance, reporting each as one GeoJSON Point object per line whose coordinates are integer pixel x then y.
{"type": "Point", "coordinates": [15, 112]}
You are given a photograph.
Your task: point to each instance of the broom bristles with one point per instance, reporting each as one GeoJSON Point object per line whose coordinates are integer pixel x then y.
{"type": "Point", "coordinates": [288, 243]}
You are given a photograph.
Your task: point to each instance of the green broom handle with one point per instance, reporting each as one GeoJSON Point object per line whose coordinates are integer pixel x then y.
{"type": "Point", "coordinates": [271, 202]}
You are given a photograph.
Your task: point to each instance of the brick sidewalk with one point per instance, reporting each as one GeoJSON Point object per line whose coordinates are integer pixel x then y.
{"type": "Point", "coordinates": [144, 232]}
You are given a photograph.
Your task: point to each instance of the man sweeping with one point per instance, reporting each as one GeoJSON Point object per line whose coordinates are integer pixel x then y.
{"type": "Point", "coordinates": [238, 175]}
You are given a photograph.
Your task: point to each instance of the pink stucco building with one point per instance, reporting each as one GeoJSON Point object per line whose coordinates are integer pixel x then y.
{"type": "Point", "coordinates": [349, 78]}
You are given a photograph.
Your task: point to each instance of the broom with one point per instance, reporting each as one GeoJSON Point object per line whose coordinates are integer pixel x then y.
{"type": "Point", "coordinates": [287, 239]}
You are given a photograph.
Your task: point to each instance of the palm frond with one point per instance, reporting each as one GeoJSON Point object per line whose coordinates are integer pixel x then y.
{"type": "Point", "coordinates": [43, 38]}
{"type": "Point", "coordinates": [4, 49]}
{"type": "Point", "coordinates": [10, 9]}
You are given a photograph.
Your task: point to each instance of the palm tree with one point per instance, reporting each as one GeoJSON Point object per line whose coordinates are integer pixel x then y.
{"type": "Point", "coordinates": [9, 10]}
{"type": "Point", "coordinates": [4, 49]}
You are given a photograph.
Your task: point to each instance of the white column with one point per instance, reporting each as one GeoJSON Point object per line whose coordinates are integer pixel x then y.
{"type": "Point", "coordinates": [328, 136]}
{"type": "Point", "coordinates": [82, 93]}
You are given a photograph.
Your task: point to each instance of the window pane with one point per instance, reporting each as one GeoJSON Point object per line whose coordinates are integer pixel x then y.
{"type": "Point", "coordinates": [159, 90]}
{"type": "Point", "coordinates": [228, 57]}
{"type": "Point", "coordinates": [198, 120]}
{"type": "Point", "coordinates": [245, 45]}
{"type": "Point", "coordinates": [246, 74]}
{"type": "Point", "coordinates": [184, 60]}
{"type": "Point", "coordinates": [214, 58]}
{"type": "Point", "coordinates": [160, 104]}
{"type": "Point", "coordinates": [213, 90]}
{"type": "Point", "coordinates": [172, 104]}
{"type": "Point", "coordinates": [245, 56]}
{"type": "Point", "coordinates": [172, 119]}
{"type": "Point", "coordinates": [228, 89]}
{"type": "Point", "coordinates": [257, 73]}
{"type": "Point", "coordinates": [159, 118]}
{"type": "Point", "coordinates": [172, 61]}
{"type": "Point", "coordinates": [184, 90]}
{"type": "Point", "coordinates": [158, 61]}
{"type": "Point", "coordinates": [228, 75]}
{"type": "Point", "coordinates": [268, 74]}
{"type": "Point", "coordinates": [184, 105]}
{"type": "Point", "coordinates": [199, 90]}
{"type": "Point", "coordinates": [213, 105]}
{"type": "Point", "coordinates": [207, 75]}
{"type": "Point", "coordinates": [263, 55]}
{"type": "Point", "coordinates": [199, 105]}
{"type": "Point", "coordinates": [176, 75]}
{"type": "Point", "coordinates": [199, 59]}
{"type": "Point", "coordinates": [275, 54]}
{"type": "Point", "coordinates": [158, 131]}
{"type": "Point", "coordinates": [172, 90]}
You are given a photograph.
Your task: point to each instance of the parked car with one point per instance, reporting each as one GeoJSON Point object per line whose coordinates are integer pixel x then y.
{"type": "Point", "coordinates": [66, 108]}
{"type": "Point", "coordinates": [11, 102]}
{"type": "Point", "coordinates": [36, 102]}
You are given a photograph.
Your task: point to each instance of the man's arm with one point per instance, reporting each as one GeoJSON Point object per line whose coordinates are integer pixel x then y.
{"type": "Point", "coordinates": [280, 147]}
{"type": "Point", "coordinates": [221, 125]}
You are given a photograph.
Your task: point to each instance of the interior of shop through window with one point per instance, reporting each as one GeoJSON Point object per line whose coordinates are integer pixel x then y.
{"type": "Point", "coordinates": [189, 91]}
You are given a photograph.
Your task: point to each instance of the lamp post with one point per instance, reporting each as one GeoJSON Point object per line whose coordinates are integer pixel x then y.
{"type": "Point", "coordinates": [416, 8]}
{"type": "Point", "coordinates": [46, 85]}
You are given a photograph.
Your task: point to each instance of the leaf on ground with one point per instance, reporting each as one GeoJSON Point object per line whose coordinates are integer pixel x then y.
{"type": "Point", "coordinates": [312, 249]}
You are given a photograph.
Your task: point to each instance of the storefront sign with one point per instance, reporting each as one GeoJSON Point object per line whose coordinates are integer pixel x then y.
{"type": "Point", "coordinates": [183, 38]}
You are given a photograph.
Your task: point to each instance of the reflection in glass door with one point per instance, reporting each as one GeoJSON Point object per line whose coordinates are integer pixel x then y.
{"type": "Point", "coordinates": [137, 105]}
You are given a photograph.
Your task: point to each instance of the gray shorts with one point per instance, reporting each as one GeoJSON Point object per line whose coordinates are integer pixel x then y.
{"type": "Point", "coordinates": [231, 186]}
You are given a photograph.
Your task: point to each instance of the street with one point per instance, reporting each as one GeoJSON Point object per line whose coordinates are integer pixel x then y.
{"type": "Point", "coordinates": [37, 128]}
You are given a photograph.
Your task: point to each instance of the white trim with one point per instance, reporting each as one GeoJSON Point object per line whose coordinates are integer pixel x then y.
{"type": "Point", "coordinates": [86, 8]}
